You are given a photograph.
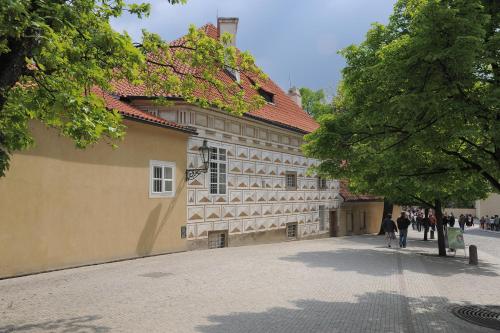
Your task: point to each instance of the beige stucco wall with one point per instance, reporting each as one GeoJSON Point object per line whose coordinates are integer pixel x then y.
{"type": "Point", "coordinates": [458, 211]}
{"type": "Point", "coordinates": [63, 207]}
{"type": "Point", "coordinates": [489, 206]}
{"type": "Point", "coordinates": [353, 211]}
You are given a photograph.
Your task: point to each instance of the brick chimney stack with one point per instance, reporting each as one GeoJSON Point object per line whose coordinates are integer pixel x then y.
{"type": "Point", "coordinates": [230, 25]}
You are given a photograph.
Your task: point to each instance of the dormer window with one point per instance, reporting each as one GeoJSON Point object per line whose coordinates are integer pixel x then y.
{"type": "Point", "coordinates": [233, 73]}
{"type": "Point", "coordinates": [268, 97]}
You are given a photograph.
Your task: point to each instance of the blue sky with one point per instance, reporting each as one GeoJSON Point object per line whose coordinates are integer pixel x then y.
{"type": "Point", "coordinates": [288, 38]}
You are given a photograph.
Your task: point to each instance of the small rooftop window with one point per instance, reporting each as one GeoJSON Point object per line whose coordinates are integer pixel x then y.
{"type": "Point", "coordinates": [233, 73]}
{"type": "Point", "coordinates": [268, 97]}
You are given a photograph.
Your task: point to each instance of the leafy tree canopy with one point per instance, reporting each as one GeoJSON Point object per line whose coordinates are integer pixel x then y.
{"type": "Point", "coordinates": [420, 97]}
{"type": "Point", "coordinates": [420, 105]}
{"type": "Point", "coordinates": [52, 52]}
{"type": "Point", "coordinates": [315, 102]}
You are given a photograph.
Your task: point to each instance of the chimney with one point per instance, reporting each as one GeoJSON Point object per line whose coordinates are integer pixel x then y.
{"type": "Point", "coordinates": [228, 24]}
{"type": "Point", "coordinates": [294, 94]}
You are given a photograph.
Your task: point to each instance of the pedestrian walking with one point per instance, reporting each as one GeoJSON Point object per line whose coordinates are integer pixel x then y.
{"type": "Point", "coordinates": [426, 223]}
{"type": "Point", "coordinates": [462, 221]}
{"type": "Point", "coordinates": [390, 229]}
{"type": "Point", "coordinates": [419, 222]}
{"type": "Point", "coordinates": [451, 220]}
{"type": "Point", "coordinates": [445, 222]}
{"type": "Point", "coordinates": [403, 224]}
{"type": "Point", "coordinates": [432, 221]}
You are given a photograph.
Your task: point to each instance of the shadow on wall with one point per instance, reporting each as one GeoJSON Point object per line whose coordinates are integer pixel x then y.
{"type": "Point", "coordinates": [74, 325]}
{"type": "Point", "coordinates": [155, 224]}
{"type": "Point", "coordinates": [372, 312]}
{"type": "Point", "coordinates": [380, 262]}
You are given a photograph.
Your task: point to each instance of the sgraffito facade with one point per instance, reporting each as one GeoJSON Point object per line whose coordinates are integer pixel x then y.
{"type": "Point", "coordinates": [258, 187]}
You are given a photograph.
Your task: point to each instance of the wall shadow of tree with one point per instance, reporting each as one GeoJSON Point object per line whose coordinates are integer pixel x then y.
{"type": "Point", "coordinates": [381, 262]}
{"type": "Point", "coordinates": [70, 325]}
{"type": "Point", "coordinates": [372, 312]}
{"type": "Point", "coordinates": [155, 224]}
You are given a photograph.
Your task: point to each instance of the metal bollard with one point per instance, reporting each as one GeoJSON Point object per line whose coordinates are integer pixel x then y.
{"type": "Point", "coordinates": [473, 255]}
{"type": "Point", "coordinates": [432, 234]}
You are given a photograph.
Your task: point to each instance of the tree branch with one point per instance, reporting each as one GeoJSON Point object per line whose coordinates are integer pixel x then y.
{"type": "Point", "coordinates": [492, 180]}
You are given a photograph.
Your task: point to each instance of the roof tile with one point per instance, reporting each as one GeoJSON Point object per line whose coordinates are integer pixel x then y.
{"type": "Point", "coordinates": [284, 111]}
{"type": "Point", "coordinates": [113, 103]}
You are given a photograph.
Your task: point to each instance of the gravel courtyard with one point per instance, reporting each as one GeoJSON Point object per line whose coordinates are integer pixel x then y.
{"type": "Point", "coordinates": [349, 284]}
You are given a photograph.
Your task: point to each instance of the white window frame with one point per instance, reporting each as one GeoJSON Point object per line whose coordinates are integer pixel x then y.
{"type": "Point", "coordinates": [322, 183]}
{"type": "Point", "coordinates": [219, 162]}
{"type": "Point", "coordinates": [162, 164]}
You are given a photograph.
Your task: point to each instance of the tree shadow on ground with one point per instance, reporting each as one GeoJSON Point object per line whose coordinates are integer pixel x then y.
{"type": "Point", "coordinates": [414, 240]}
{"type": "Point", "coordinates": [70, 325]}
{"type": "Point", "coordinates": [377, 262]}
{"type": "Point", "coordinates": [372, 312]}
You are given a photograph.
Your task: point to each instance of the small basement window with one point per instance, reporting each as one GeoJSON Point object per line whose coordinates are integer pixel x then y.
{"type": "Point", "coordinates": [291, 230]}
{"type": "Point", "coordinates": [268, 97]}
{"type": "Point", "coordinates": [217, 239]}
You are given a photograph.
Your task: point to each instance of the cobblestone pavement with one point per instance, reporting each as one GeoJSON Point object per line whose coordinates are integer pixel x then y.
{"type": "Point", "coordinates": [486, 240]}
{"type": "Point", "coordinates": [349, 284]}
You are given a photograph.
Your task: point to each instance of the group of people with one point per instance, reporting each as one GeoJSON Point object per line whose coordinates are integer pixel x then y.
{"type": "Point", "coordinates": [490, 223]}
{"type": "Point", "coordinates": [427, 222]}
{"type": "Point", "coordinates": [390, 229]}
{"type": "Point", "coordinates": [424, 221]}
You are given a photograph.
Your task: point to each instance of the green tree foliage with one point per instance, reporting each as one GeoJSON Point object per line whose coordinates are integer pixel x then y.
{"type": "Point", "coordinates": [52, 52]}
{"type": "Point", "coordinates": [315, 103]}
{"type": "Point", "coordinates": [420, 107]}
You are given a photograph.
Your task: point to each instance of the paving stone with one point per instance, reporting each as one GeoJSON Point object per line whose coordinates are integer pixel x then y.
{"type": "Point", "coordinates": [348, 284]}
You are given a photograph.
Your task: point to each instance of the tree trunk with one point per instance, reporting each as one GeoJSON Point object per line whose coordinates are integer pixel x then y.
{"type": "Point", "coordinates": [439, 225]}
{"type": "Point", "coordinates": [387, 210]}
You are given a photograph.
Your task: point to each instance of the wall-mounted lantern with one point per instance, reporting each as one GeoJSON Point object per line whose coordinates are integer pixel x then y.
{"type": "Point", "coordinates": [205, 155]}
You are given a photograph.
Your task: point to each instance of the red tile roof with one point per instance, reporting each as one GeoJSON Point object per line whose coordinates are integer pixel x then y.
{"type": "Point", "coordinates": [283, 112]}
{"type": "Point", "coordinates": [113, 103]}
{"type": "Point", "coordinates": [350, 197]}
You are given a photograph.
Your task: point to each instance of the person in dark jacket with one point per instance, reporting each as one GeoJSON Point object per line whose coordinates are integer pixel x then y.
{"type": "Point", "coordinates": [451, 220]}
{"type": "Point", "coordinates": [426, 222]}
{"type": "Point", "coordinates": [389, 228]}
{"type": "Point", "coordinates": [403, 224]}
{"type": "Point", "coordinates": [461, 221]}
{"type": "Point", "coordinates": [419, 222]}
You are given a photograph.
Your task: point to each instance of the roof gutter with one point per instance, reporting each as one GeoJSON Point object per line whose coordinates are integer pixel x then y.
{"type": "Point", "coordinates": [185, 129]}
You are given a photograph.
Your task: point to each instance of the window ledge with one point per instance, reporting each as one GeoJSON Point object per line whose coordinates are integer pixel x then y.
{"type": "Point", "coordinates": [161, 195]}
